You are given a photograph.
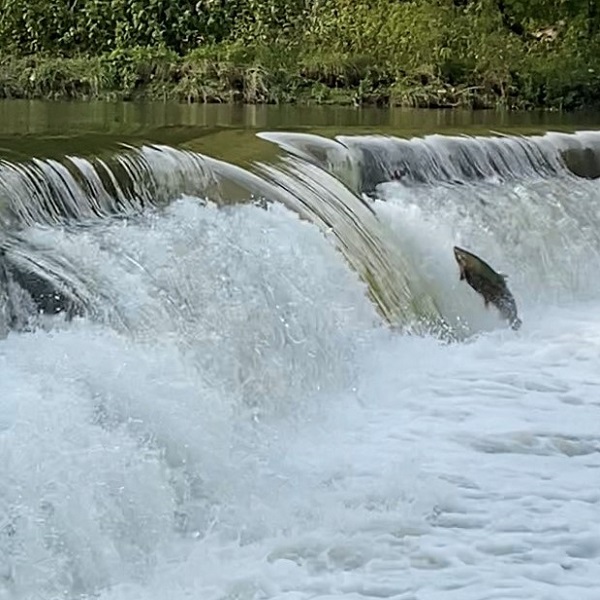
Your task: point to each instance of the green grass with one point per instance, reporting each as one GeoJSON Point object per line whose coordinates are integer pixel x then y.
{"type": "Point", "coordinates": [412, 53]}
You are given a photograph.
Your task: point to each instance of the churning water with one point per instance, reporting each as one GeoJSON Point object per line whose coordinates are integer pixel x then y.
{"type": "Point", "coordinates": [271, 384]}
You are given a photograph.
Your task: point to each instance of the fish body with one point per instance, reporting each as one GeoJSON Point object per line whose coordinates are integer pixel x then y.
{"type": "Point", "coordinates": [488, 283]}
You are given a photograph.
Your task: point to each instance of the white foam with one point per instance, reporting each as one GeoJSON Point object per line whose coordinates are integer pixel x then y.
{"type": "Point", "coordinates": [542, 234]}
{"type": "Point", "coordinates": [373, 466]}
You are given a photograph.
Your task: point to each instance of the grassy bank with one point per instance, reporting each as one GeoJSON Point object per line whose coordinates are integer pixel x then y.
{"type": "Point", "coordinates": [422, 53]}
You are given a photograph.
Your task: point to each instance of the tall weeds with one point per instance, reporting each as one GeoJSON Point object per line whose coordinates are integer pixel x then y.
{"type": "Point", "coordinates": [442, 53]}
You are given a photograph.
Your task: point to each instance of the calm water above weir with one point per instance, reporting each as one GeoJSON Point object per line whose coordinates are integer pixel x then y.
{"type": "Point", "coordinates": [237, 361]}
{"type": "Point", "coordinates": [36, 128]}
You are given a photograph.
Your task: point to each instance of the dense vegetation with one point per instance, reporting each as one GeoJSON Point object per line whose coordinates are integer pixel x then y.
{"type": "Point", "coordinates": [476, 53]}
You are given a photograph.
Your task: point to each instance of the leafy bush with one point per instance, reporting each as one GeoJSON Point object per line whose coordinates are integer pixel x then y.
{"type": "Point", "coordinates": [513, 53]}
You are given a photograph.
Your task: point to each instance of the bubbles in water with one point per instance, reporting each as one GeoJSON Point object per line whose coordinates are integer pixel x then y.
{"type": "Point", "coordinates": [203, 432]}
{"type": "Point", "coordinates": [116, 441]}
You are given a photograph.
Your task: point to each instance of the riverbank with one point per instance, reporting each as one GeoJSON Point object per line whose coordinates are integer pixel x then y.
{"type": "Point", "coordinates": [211, 77]}
{"type": "Point", "coordinates": [421, 54]}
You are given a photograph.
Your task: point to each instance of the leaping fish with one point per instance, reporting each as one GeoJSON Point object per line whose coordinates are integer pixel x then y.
{"type": "Point", "coordinates": [489, 284]}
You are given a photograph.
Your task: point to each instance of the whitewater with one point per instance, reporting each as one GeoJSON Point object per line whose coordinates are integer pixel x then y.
{"type": "Point", "coordinates": [239, 419]}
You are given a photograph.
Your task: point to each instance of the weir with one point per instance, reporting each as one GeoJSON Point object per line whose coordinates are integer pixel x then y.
{"type": "Point", "coordinates": [366, 161]}
{"type": "Point", "coordinates": [218, 400]}
{"type": "Point", "coordinates": [497, 192]}
{"type": "Point", "coordinates": [49, 191]}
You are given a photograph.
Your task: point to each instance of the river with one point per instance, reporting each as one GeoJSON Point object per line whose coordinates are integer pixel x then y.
{"type": "Point", "coordinates": [237, 361]}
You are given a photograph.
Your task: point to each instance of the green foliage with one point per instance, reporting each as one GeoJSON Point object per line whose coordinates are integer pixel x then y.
{"type": "Point", "coordinates": [472, 53]}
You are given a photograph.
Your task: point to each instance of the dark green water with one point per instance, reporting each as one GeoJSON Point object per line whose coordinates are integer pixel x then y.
{"type": "Point", "coordinates": [52, 129]}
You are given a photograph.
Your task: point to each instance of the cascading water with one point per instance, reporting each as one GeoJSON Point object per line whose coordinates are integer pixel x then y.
{"type": "Point", "coordinates": [476, 184]}
{"type": "Point", "coordinates": [214, 404]}
{"type": "Point", "coordinates": [489, 194]}
{"type": "Point", "coordinates": [51, 191]}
